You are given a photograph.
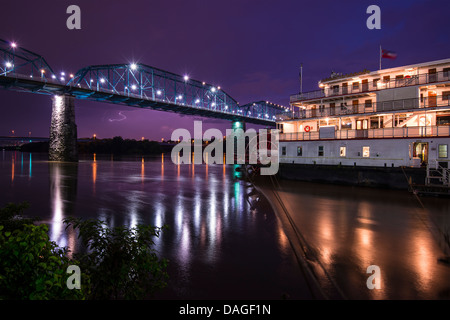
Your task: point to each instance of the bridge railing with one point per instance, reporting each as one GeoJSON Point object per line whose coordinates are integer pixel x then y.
{"type": "Point", "coordinates": [15, 59]}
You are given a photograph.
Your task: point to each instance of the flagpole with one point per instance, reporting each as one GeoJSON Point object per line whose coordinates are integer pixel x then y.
{"type": "Point", "coordinates": [301, 78]}
{"type": "Point", "coordinates": [380, 57]}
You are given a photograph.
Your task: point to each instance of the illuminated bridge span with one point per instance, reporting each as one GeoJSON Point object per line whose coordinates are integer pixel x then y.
{"type": "Point", "coordinates": [135, 85]}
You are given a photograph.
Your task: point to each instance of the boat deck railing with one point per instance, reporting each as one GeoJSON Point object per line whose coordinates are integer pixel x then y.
{"type": "Point", "coordinates": [380, 133]}
{"type": "Point", "coordinates": [338, 108]}
{"type": "Point", "coordinates": [371, 84]}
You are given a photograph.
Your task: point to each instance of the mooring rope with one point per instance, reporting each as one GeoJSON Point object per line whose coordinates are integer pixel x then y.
{"type": "Point", "coordinates": [306, 248]}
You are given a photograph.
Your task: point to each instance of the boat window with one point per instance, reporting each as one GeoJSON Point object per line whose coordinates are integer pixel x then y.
{"type": "Point", "coordinates": [446, 95]}
{"type": "Point", "coordinates": [366, 152]}
{"type": "Point", "coordinates": [320, 151]}
{"type": "Point", "coordinates": [443, 151]}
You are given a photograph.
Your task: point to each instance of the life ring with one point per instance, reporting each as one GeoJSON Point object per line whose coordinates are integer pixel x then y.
{"type": "Point", "coordinates": [307, 128]}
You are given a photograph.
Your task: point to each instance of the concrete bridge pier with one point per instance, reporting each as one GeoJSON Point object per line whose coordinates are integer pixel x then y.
{"type": "Point", "coordinates": [63, 130]}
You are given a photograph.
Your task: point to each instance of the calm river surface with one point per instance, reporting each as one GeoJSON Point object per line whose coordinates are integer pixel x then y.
{"type": "Point", "coordinates": [218, 245]}
{"type": "Point", "coordinates": [224, 244]}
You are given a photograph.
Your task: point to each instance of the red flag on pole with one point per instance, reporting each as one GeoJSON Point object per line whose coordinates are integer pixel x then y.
{"type": "Point", "coordinates": [388, 54]}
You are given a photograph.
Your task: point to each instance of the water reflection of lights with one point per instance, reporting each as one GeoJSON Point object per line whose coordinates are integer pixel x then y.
{"type": "Point", "coordinates": [158, 222]}
{"type": "Point", "coordinates": [365, 234]}
{"type": "Point", "coordinates": [134, 201]}
{"type": "Point", "coordinates": [142, 170]}
{"type": "Point", "coordinates": [162, 166]}
{"type": "Point", "coordinates": [206, 159]}
{"type": "Point", "coordinates": [182, 230]}
{"type": "Point", "coordinates": [197, 209]}
{"type": "Point", "coordinates": [30, 167]}
{"type": "Point", "coordinates": [13, 167]}
{"type": "Point", "coordinates": [94, 172]}
{"type": "Point", "coordinates": [57, 204]}
{"type": "Point", "coordinates": [421, 258]}
{"type": "Point", "coordinates": [63, 185]}
{"type": "Point", "coordinates": [237, 192]}
{"type": "Point", "coordinates": [213, 222]}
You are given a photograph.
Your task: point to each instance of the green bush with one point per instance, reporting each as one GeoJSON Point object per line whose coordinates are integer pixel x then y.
{"type": "Point", "coordinates": [33, 267]}
{"type": "Point", "coordinates": [120, 261]}
{"type": "Point", "coordinates": [11, 216]}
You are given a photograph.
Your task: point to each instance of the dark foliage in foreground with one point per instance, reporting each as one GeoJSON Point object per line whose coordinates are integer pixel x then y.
{"type": "Point", "coordinates": [118, 263]}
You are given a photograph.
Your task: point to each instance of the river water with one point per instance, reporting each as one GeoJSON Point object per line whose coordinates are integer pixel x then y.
{"type": "Point", "coordinates": [226, 242]}
{"type": "Point", "coordinates": [221, 243]}
{"type": "Point", "coordinates": [349, 229]}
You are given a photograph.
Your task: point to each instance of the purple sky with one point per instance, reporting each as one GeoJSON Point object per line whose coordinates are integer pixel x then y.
{"type": "Point", "coordinates": [251, 48]}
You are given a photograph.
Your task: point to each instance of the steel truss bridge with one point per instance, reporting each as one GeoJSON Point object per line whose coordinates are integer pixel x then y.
{"type": "Point", "coordinates": [135, 85]}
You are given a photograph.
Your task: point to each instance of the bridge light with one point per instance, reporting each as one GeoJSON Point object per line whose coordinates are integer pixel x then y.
{"type": "Point", "coordinates": [218, 88]}
{"type": "Point", "coordinates": [133, 66]}
{"type": "Point", "coordinates": [71, 75]}
{"type": "Point", "coordinates": [13, 44]}
{"type": "Point", "coordinates": [213, 104]}
{"type": "Point", "coordinates": [53, 76]}
{"type": "Point", "coordinates": [180, 97]}
{"type": "Point", "coordinates": [102, 80]}
{"type": "Point", "coordinates": [197, 101]}
{"type": "Point", "coordinates": [8, 64]}
{"type": "Point", "coordinates": [226, 107]}
{"type": "Point", "coordinates": [133, 87]}
{"type": "Point", "coordinates": [203, 83]}
{"type": "Point", "coordinates": [213, 89]}
{"type": "Point", "coordinates": [158, 92]}
{"type": "Point", "coordinates": [186, 78]}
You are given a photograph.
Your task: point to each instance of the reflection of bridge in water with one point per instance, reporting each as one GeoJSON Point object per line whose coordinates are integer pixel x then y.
{"type": "Point", "coordinates": [18, 141]}
{"type": "Point", "coordinates": [134, 84]}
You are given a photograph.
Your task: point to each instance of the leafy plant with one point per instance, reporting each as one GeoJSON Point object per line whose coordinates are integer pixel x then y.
{"type": "Point", "coordinates": [120, 261]}
{"type": "Point", "coordinates": [11, 216]}
{"type": "Point", "coordinates": [33, 267]}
